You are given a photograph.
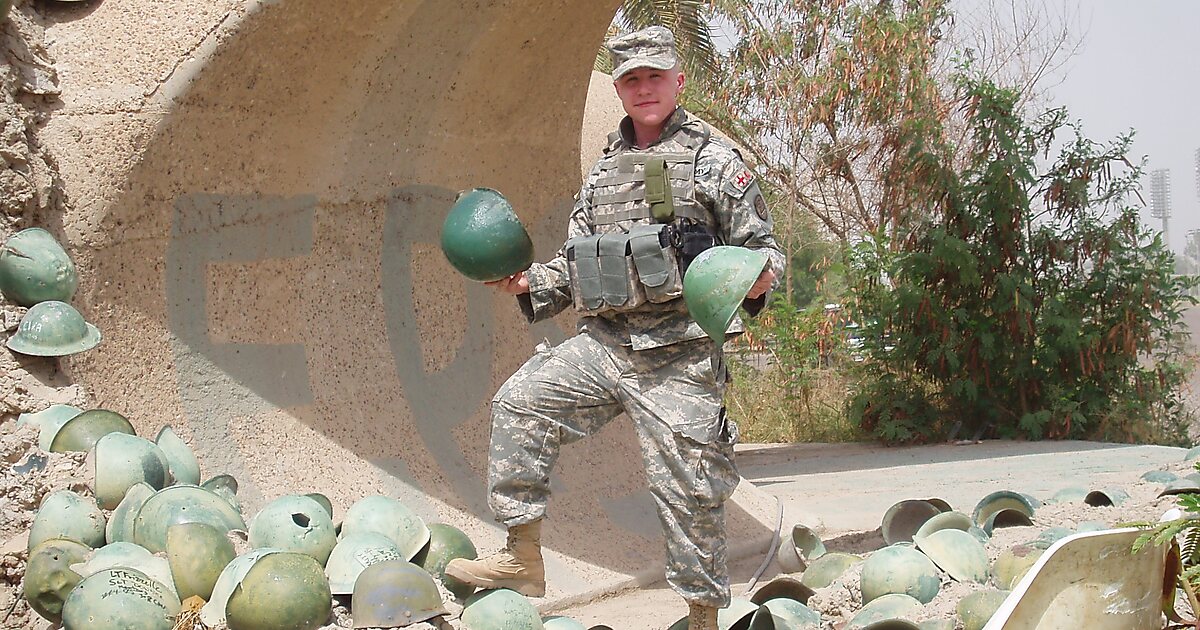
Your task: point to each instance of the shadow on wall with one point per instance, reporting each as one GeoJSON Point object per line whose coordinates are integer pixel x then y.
{"type": "Point", "coordinates": [277, 247]}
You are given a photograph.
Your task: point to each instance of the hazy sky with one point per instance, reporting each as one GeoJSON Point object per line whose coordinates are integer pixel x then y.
{"type": "Point", "coordinates": [1140, 68]}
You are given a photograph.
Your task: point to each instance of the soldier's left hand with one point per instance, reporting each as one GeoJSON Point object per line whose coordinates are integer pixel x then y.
{"type": "Point", "coordinates": [762, 285]}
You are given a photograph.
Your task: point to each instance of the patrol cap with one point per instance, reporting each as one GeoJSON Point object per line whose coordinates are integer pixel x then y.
{"type": "Point", "coordinates": [652, 47]}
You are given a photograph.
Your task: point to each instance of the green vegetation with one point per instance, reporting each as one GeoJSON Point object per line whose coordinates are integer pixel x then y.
{"type": "Point", "coordinates": [1183, 557]}
{"type": "Point", "coordinates": [991, 274]}
{"type": "Point", "coordinates": [1033, 303]}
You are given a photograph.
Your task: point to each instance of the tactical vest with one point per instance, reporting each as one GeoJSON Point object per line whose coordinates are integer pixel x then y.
{"type": "Point", "coordinates": [634, 258]}
{"type": "Point", "coordinates": [619, 192]}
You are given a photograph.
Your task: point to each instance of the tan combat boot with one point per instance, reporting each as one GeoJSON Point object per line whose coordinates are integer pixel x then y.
{"type": "Point", "coordinates": [701, 617]}
{"type": "Point", "coordinates": [518, 566]}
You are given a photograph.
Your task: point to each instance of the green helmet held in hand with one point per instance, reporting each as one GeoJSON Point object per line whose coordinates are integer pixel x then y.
{"type": "Point", "coordinates": [394, 594]}
{"type": "Point", "coordinates": [35, 268]}
{"type": "Point", "coordinates": [53, 329]}
{"type": "Point", "coordinates": [716, 283]}
{"type": "Point", "coordinates": [483, 238]}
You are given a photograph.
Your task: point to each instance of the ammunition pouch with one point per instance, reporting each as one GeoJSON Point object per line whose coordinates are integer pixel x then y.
{"type": "Point", "coordinates": [620, 272]}
{"type": "Point", "coordinates": [690, 241]}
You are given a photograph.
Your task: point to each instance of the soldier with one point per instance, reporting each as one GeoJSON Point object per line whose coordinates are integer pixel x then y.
{"type": "Point", "coordinates": [664, 190]}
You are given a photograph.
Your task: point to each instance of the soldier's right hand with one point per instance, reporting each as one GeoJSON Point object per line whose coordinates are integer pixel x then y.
{"type": "Point", "coordinates": [515, 284]}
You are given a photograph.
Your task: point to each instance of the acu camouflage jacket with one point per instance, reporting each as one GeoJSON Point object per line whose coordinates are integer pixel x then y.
{"type": "Point", "coordinates": [711, 185]}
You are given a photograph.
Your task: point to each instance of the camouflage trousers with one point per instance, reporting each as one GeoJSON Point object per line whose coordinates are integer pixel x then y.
{"type": "Point", "coordinates": [673, 394]}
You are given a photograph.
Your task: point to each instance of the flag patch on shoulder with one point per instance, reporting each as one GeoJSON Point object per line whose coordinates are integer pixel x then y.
{"type": "Point", "coordinates": [739, 183]}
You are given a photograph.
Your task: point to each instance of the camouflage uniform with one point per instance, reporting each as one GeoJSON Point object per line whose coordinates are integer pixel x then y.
{"type": "Point", "coordinates": [653, 363]}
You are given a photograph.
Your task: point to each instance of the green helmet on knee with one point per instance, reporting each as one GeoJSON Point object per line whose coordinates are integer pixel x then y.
{"type": "Point", "coordinates": [483, 238]}
{"type": "Point", "coordinates": [35, 268]}
{"type": "Point", "coordinates": [393, 594]}
{"type": "Point", "coordinates": [53, 329]}
{"type": "Point", "coordinates": [716, 284]}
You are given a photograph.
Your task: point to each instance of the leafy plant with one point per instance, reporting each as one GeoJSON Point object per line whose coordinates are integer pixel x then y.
{"type": "Point", "coordinates": [1183, 565]}
{"type": "Point", "coordinates": [1033, 303]}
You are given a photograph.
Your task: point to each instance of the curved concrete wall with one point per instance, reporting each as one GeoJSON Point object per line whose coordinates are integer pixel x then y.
{"type": "Point", "coordinates": [257, 190]}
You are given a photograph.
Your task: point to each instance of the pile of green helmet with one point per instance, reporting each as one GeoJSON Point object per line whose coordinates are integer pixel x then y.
{"type": "Point", "coordinates": [928, 545]}
{"type": "Point", "coordinates": [36, 272]}
{"type": "Point", "coordinates": [150, 538]}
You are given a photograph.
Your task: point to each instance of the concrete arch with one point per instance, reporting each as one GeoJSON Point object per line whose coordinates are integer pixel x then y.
{"type": "Point", "coordinates": [256, 209]}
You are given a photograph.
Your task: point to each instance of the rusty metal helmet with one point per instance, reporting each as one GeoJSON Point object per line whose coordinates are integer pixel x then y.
{"type": "Point", "coordinates": [394, 594]}
{"type": "Point", "coordinates": [120, 597]}
{"type": "Point", "coordinates": [49, 577]}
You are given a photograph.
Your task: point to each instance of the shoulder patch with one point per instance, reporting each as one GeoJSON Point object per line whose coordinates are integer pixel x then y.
{"type": "Point", "coordinates": [760, 208]}
{"type": "Point", "coordinates": [739, 183]}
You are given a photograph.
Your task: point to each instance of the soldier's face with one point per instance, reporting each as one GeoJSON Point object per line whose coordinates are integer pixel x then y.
{"type": "Point", "coordinates": [649, 95]}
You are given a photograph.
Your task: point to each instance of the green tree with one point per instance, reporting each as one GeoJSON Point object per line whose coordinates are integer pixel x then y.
{"type": "Point", "coordinates": [1032, 303]}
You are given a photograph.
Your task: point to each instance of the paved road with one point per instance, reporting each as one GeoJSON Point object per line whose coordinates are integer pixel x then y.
{"type": "Point", "coordinates": [848, 487]}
